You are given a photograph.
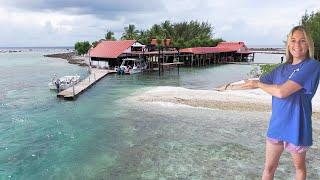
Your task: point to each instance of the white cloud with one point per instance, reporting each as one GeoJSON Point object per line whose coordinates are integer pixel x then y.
{"type": "Point", "coordinates": [58, 24]}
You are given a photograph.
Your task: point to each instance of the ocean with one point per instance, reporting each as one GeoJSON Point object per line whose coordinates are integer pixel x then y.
{"type": "Point", "coordinates": [100, 135]}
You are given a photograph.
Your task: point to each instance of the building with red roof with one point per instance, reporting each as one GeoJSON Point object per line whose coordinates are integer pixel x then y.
{"type": "Point", "coordinates": [223, 52]}
{"type": "Point", "coordinates": [112, 51]}
{"type": "Point", "coordinates": [222, 47]}
{"type": "Point", "coordinates": [238, 47]}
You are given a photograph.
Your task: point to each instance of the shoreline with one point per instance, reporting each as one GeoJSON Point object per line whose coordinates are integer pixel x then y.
{"type": "Point", "coordinates": [234, 100]}
{"type": "Point", "coordinates": [70, 57]}
{"type": "Point", "coordinates": [238, 100]}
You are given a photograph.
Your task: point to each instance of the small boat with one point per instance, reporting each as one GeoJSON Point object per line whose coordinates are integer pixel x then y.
{"type": "Point", "coordinates": [131, 66]}
{"type": "Point", "coordinates": [63, 83]}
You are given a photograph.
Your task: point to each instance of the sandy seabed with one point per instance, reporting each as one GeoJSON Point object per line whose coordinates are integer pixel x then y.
{"type": "Point", "coordinates": [205, 134]}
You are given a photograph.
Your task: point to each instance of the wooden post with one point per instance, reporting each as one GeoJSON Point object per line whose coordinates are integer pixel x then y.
{"type": "Point", "coordinates": [159, 62]}
{"type": "Point", "coordinates": [178, 60]}
{"type": "Point", "coordinates": [192, 60]}
{"type": "Point", "coordinates": [73, 89]}
{"type": "Point", "coordinates": [253, 58]}
{"type": "Point", "coordinates": [198, 59]}
{"type": "Point", "coordinates": [162, 59]}
{"type": "Point", "coordinates": [178, 68]}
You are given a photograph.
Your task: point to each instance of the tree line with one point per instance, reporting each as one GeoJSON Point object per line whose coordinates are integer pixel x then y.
{"type": "Point", "coordinates": [312, 23]}
{"type": "Point", "coordinates": [182, 35]}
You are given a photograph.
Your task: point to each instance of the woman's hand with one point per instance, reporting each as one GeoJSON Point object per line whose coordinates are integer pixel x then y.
{"type": "Point", "coordinates": [251, 84]}
{"type": "Point", "coordinates": [248, 84]}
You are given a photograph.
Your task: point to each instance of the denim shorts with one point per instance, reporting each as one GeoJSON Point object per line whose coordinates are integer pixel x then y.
{"type": "Point", "coordinates": [288, 146]}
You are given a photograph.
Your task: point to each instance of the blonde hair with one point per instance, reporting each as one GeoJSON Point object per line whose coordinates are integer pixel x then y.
{"type": "Point", "coordinates": [310, 53]}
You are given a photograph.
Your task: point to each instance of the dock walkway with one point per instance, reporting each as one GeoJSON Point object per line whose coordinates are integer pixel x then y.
{"type": "Point", "coordinates": [74, 91]}
{"type": "Point", "coordinates": [248, 63]}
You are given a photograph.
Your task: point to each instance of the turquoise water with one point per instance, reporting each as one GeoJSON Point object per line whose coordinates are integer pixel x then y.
{"type": "Point", "coordinates": [43, 137]}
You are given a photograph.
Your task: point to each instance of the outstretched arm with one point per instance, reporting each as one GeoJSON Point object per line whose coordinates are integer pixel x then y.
{"type": "Point", "coordinates": [278, 90]}
{"type": "Point", "coordinates": [232, 86]}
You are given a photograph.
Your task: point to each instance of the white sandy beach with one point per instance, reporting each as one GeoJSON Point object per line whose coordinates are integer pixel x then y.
{"type": "Point", "coordinates": [247, 100]}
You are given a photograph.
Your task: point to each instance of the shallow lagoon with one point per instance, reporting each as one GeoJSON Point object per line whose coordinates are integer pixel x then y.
{"type": "Point", "coordinates": [103, 135]}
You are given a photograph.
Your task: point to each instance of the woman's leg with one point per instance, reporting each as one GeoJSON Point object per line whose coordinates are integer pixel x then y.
{"type": "Point", "coordinates": [299, 161]}
{"type": "Point", "coordinates": [273, 153]}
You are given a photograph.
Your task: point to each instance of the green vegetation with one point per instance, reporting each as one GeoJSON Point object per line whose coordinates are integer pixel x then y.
{"type": "Point", "coordinates": [312, 23]}
{"type": "Point", "coordinates": [94, 43]}
{"type": "Point", "coordinates": [266, 68]}
{"type": "Point", "coordinates": [130, 32]}
{"type": "Point", "coordinates": [82, 47]}
{"type": "Point", "coordinates": [182, 35]}
{"type": "Point", "coordinates": [110, 36]}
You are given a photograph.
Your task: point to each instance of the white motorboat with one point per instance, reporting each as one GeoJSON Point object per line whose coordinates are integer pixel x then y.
{"type": "Point", "coordinates": [63, 83]}
{"type": "Point", "coordinates": [132, 66]}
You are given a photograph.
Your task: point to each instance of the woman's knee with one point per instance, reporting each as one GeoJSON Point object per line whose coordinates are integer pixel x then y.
{"type": "Point", "coordinates": [300, 166]}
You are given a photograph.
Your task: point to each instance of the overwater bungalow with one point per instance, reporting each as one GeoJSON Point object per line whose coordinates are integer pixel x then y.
{"type": "Point", "coordinates": [224, 52]}
{"type": "Point", "coordinates": [109, 54]}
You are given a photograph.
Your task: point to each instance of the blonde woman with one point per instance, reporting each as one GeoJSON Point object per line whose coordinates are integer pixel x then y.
{"type": "Point", "coordinates": [292, 86]}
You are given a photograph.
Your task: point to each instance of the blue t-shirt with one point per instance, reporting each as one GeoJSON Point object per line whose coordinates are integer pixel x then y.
{"type": "Point", "coordinates": [291, 116]}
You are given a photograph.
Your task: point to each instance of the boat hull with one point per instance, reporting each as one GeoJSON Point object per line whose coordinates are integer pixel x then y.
{"type": "Point", "coordinates": [63, 83]}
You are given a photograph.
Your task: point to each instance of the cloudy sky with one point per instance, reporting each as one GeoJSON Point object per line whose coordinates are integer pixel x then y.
{"type": "Point", "coordinates": [64, 22]}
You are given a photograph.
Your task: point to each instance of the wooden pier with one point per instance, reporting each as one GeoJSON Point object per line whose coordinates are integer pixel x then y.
{"type": "Point", "coordinates": [169, 66]}
{"type": "Point", "coordinates": [72, 92]}
{"type": "Point", "coordinates": [248, 63]}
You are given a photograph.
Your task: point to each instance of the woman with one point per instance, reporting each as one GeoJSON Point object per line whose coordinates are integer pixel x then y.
{"type": "Point", "coordinates": [292, 86]}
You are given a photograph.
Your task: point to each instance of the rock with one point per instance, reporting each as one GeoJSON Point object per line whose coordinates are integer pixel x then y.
{"type": "Point", "coordinates": [70, 57]}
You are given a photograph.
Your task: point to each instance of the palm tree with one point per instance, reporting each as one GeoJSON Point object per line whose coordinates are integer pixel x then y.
{"type": "Point", "coordinates": [130, 32]}
{"type": "Point", "coordinates": [110, 36]}
{"type": "Point", "coordinates": [143, 37]}
{"type": "Point", "coordinates": [167, 29]}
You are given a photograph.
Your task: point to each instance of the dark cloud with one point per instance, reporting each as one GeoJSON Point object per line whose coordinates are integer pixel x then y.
{"type": "Point", "coordinates": [99, 8]}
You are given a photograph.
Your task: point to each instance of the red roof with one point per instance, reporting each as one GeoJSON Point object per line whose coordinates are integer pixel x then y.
{"type": "Point", "coordinates": [235, 46]}
{"type": "Point", "coordinates": [110, 49]}
{"type": "Point", "coordinates": [205, 50]}
{"type": "Point", "coordinates": [238, 47]}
